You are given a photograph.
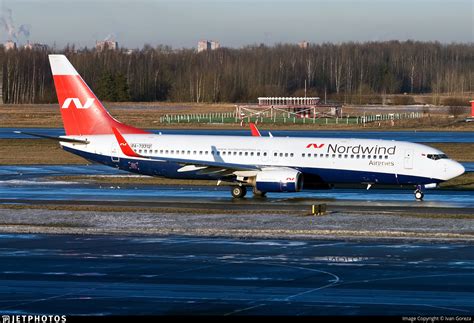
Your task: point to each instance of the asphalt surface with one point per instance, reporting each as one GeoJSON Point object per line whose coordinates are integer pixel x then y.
{"type": "Point", "coordinates": [35, 184]}
{"type": "Point", "coordinates": [103, 275]}
{"type": "Point", "coordinates": [410, 135]}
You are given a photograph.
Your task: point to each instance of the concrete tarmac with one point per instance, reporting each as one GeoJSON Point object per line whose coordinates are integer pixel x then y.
{"type": "Point", "coordinates": [103, 275]}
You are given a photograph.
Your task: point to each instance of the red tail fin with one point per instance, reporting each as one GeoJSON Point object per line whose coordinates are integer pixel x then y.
{"type": "Point", "coordinates": [82, 112]}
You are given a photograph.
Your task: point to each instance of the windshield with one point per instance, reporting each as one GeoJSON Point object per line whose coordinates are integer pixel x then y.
{"type": "Point", "coordinates": [437, 156]}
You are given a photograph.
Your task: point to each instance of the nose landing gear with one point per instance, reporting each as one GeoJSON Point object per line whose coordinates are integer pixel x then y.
{"type": "Point", "coordinates": [238, 191]}
{"type": "Point", "coordinates": [419, 193]}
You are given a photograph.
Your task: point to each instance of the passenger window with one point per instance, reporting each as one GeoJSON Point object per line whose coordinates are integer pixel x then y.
{"type": "Point", "coordinates": [258, 153]}
{"type": "Point", "coordinates": [264, 154]}
{"type": "Point", "coordinates": [386, 157]}
{"type": "Point", "coordinates": [240, 153]}
{"type": "Point", "coordinates": [352, 156]}
{"type": "Point", "coordinates": [291, 155]}
{"type": "Point", "coordinates": [275, 154]}
{"type": "Point", "coordinates": [333, 155]}
{"type": "Point", "coordinates": [246, 153]}
{"type": "Point", "coordinates": [286, 154]}
{"type": "Point", "coordinates": [303, 155]}
{"type": "Point", "coordinates": [200, 153]}
{"type": "Point", "coordinates": [161, 151]}
{"type": "Point", "coordinates": [309, 155]}
{"type": "Point", "coordinates": [166, 151]}
{"type": "Point", "coordinates": [345, 156]}
{"type": "Point", "coordinates": [235, 153]}
{"type": "Point", "coordinates": [194, 152]}
{"type": "Point", "coordinates": [339, 156]}
{"type": "Point", "coordinates": [251, 154]}
{"type": "Point", "coordinates": [189, 152]}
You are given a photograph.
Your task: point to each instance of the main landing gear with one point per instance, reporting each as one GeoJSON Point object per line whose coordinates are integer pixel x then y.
{"type": "Point", "coordinates": [258, 194]}
{"type": "Point", "coordinates": [419, 193]}
{"type": "Point", "coordinates": [238, 191]}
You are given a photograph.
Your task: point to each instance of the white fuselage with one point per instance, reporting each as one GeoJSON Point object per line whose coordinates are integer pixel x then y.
{"type": "Point", "coordinates": [319, 156]}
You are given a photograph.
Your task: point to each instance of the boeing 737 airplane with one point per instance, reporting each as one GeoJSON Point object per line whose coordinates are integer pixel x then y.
{"type": "Point", "coordinates": [265, 164]}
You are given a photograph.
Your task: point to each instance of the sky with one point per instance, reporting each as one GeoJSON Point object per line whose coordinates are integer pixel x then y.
{"type": "Point", "coordinates": [236, 23]}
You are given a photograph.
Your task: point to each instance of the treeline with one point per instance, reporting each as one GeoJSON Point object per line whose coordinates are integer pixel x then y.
{"type": "Point", "coordinates": [344, 71]}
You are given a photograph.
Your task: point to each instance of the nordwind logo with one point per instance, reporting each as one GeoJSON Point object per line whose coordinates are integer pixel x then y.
{"type": "Point", "coordinates": [77, 103]}
{"type": "Point", "coordinates": [315, 146]}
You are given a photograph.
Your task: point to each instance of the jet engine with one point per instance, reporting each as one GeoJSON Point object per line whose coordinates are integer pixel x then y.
{"type": "Point", "coordinates": [279, 180]}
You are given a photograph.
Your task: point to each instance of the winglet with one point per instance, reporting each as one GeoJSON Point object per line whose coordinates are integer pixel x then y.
{"type": "Point", "coordinates": [124, 146]}
{"type": "Point", "coordinates": [254, 130]}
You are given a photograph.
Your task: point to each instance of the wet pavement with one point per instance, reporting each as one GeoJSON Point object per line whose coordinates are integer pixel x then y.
{"type": "Point", "coordinates": [105, 275]}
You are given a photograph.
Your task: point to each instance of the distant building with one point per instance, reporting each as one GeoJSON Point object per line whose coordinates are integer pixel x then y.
{"type": "Point", "coordinates": [10, 45]}
{"type": "Point", "coordinates": [215, 45]}
{"type": "Point", "coordinates": [106, 44]}
{"type": "Point", "coordinates": [204, 45]}
{"type": "Point", "coordinates": [303, 44]}
{"type": "Point", "coordinates": [35, 46]}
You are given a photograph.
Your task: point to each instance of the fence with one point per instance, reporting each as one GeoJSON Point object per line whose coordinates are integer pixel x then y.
{"type": "Point", "coordinates": [232, 117]}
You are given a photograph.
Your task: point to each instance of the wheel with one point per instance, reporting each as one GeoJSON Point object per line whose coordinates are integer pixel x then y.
{"type": "Point", "coordinates": [257, 193]}
{"type": "Point", "coordinates": [419, 195]}
{"type": "Point", "coordinates": [238, 191]}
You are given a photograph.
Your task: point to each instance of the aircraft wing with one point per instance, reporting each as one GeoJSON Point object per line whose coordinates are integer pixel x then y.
{"type": "Point", "coordinates": [188, 165]}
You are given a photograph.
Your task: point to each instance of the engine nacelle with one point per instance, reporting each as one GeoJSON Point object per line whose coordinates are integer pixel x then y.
{"type": "Point", "coordinates": [279, 180]}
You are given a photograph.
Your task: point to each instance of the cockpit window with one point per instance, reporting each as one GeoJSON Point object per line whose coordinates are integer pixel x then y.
{"type": "Point", "coordinates": [437, 156]}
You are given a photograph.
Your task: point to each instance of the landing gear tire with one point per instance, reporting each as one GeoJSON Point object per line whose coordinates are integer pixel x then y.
{"type": "Point", "coordinates": [258, 194]}
{"type": "Point", "coordinates": [419, 195]}
{"type": "Point", "coordinates": [238, 191]}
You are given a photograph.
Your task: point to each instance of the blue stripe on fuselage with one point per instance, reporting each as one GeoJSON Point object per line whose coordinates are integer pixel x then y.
{"type": "Point", "coordinates": [331, 176]}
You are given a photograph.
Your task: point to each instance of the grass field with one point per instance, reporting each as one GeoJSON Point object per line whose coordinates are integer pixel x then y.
{"type": "Point", "coordinates": [147, 115]}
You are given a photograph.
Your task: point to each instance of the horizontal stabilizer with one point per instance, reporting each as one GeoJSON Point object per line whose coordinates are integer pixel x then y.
{"type": "Point", "coordinates": [61, 139]}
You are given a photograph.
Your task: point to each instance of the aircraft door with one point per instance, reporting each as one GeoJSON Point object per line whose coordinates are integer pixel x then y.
{"type": "Point", "coordinates": [114, 153]}
{"type": "Point", "coordinates": [408, 159]}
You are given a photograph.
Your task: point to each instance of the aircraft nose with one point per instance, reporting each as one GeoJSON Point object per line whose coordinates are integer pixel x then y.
{"type": "Point", "coordinates": [455, 169]}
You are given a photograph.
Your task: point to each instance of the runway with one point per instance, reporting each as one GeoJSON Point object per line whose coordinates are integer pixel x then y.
{"type": "Point", "coordinates": [414, 136]}
{"type": "Point", "coordinates": [28, 184]}
{"type": "Point", "coordinates": [104, 275]}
